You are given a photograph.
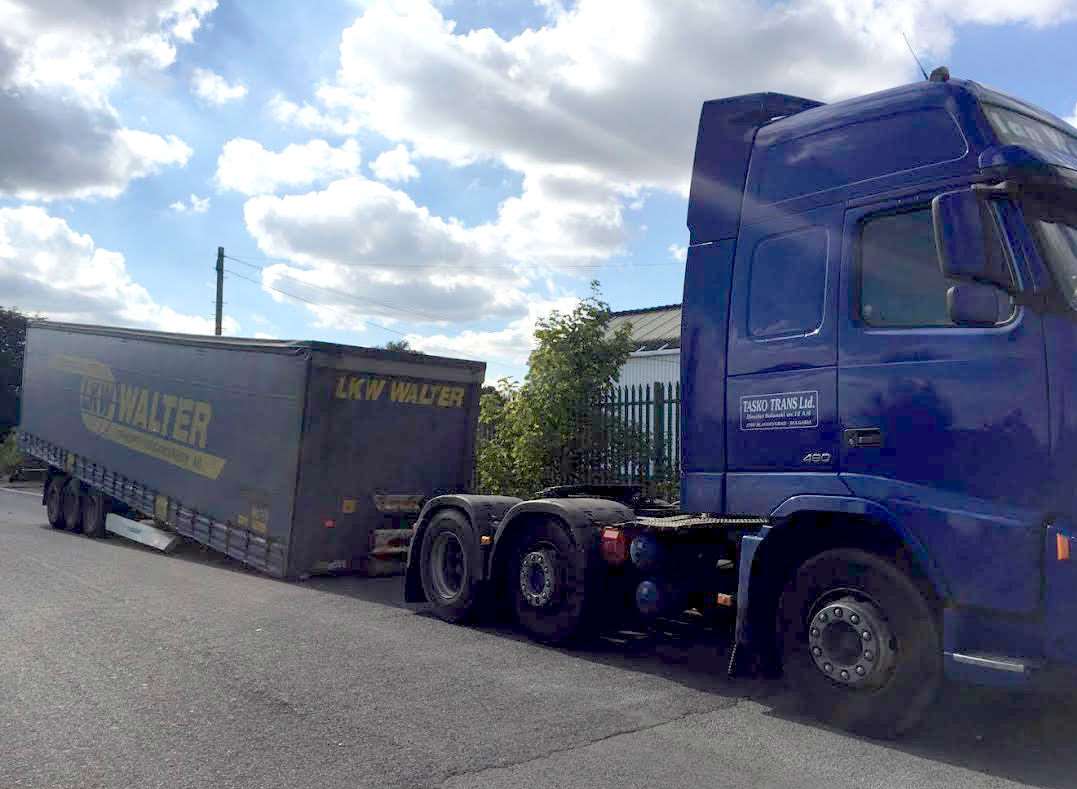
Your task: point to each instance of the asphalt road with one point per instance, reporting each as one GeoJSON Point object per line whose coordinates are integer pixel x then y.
{"type": "Point", "coordinates": [120, 667]}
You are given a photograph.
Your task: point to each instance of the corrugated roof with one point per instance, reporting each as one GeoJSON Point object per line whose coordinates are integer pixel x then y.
{"type": "Point", "coordinates": [652, 327]}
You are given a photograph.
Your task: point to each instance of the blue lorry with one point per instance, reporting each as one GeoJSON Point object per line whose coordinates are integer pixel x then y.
{"type": "Point", "coordinates": [879, 376]}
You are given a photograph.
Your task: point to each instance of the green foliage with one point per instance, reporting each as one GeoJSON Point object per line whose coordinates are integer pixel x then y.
{"type": "Point", "coordinates": [10, 456]}
{"type": "Point", "coordinates": [402, 346]}
{"type": "Point", "coordinates": [12, 345]}
{"type": "Point", "coordinates": [544, 432]}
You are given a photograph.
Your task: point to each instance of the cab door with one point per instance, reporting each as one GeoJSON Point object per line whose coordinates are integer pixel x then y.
{"type": "Point", "coordinates": [781, 404]}
{"type": "Point", "coordinates": [946, 425]}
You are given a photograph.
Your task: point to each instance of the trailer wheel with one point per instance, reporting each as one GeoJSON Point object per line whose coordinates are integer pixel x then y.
{"type": "Point", "coordinates": [547, 581]}
{"type": "Point", "coordinates": [94, 511]}
{"type": "Point", "coordinates": [71, 503]}
{"type": "Point", "coordinates": [860, 643]}
{"type": "Point", "coordinates": [54, 495]}
{"type": "Point", "coordinates": [447, 575]}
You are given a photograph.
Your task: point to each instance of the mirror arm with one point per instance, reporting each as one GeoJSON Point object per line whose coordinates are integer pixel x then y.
{"type": "Point", "coordinates": [1038, 301]}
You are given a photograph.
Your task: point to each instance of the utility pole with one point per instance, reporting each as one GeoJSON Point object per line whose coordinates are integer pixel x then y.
{"type": "Point", "coordinates": [220, 289]}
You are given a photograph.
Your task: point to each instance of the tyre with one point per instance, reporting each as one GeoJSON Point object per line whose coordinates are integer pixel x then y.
{"type": "Point", "coordinates": [71, 504]}
{"type": "Point", "coordinates": [547, 581]}
{"type": "Point", "coordinates": [95, 508]}
{"type": "Point", "coordinates": [859, 643]}
{"type": "Point", "coordinates": [54, 494]}
{"type": "Point", "coordinates": [447, 574]}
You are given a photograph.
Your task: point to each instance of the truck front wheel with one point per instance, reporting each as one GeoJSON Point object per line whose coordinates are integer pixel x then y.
{"type": "Point", "coordinates": [447, 574]}
{"type": "Point", "coordinates": [860, 643]}
{"type": "Point", "coordinates": [547, 580]}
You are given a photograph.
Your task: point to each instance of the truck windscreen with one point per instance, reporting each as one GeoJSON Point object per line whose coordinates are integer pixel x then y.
{"type": "Point", "coordinates": [1015, 128]}
{"type": "Point", "coordinates": [1053, 218]}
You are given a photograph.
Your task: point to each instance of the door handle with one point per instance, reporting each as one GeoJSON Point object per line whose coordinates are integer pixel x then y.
{"type": "Point", "coordinates": [863, 437]}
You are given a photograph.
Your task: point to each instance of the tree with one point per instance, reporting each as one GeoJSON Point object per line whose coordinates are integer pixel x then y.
{"type": "Point", "coordinates": [403, 346]}
{"type": "Point", "coordinates": [542, 432]}
{"type": "Point", "coordinates": [12, 346]}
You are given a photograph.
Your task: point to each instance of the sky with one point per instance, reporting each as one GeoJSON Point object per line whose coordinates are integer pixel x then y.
{"type": "Point", "coordinates": [442, 171]}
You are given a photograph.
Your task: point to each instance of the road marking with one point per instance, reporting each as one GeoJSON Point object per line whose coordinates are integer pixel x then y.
{"type": "Point", "coordinates": [23, 492]}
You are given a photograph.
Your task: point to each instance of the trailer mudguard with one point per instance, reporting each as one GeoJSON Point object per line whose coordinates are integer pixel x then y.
{"type": "Point", "coordinates": [483, 515]}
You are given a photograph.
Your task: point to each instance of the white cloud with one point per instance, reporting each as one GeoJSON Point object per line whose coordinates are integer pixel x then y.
{"type": "Point", "coordinates": [615, 85]}
{"type": "Point", "coordinates": [362, 237]}
{"type": "Point", "coordinates": [507, 347]}
{"type": "Point", "coordinates": [1072, 119]}
{"type": "Point", "coordinates": [368, 250]}
{"type": "Point", "coordinates": [245, 166]}
{"type": "Point", "coordinates": [59, 61]}
{"type": "Point", "coordinates": [394, 165]}
{"type": "Point", "coordinates": [311, 118]}
{"type": "Point", "coordinates": [214, 89]}
{"type": "Point", "coordinates": [594, 109]}
{"type": "Point", "coordinates": [57, 149]}
{"type": "Point", "coordinates": [677, 252]}
{"type": "Point", "coordinates": [197, 205]}
{"type": "Point", "coordinates": [261, 335]}
{"type": "Point", "coordinates": [46, 267]}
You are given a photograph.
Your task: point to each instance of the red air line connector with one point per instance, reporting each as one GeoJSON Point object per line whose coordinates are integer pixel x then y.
{"type": "Point", "coordinates": [614, 545]}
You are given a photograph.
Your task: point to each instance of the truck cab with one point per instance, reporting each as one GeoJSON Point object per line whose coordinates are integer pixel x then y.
{"type": "Point", "coordinates": [834, 361]}
{"type": "Point", "coordinates": [879, 367]}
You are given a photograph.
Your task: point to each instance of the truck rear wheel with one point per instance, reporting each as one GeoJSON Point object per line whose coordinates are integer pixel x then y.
{"type": "Point", "coordinates": [54, 495]}
{"type": "Point", "coordinates": [547, 580]}
{"type": "Point", "coordinates": [94, 511]}
{"type": "Point", "coordinates": [860, 643]}
{"type": "Point", "coordinates": [447, 575]}
{"type": "Point", "coordinates": [71, 503]}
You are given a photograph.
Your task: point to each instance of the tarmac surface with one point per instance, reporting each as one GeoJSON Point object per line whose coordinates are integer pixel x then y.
{"type": "Point", "coordinates": [122, 667]}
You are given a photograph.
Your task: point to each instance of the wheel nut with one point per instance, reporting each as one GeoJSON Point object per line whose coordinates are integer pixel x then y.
{"type": "Point", "coordinates": [854, 619]}
{"type": "Point", "coordinates": [844, 674]}
{"type": "Point", "coordinates": [815, 632]}
{"type": "Point", "coordinates": [866, 635]}
{"type": "Point", "coordinates": [828, 667]}
{"type": "Point", "coordinates": [824, 618]}
{"type": "Point", "coordinates": [868, 655]}
{"type": "Point", "coordinates": [860, 670]}
{"type": "Point", "coordinates": [837, 613]}
{"type": "Point", "coordinates": [816, 651]}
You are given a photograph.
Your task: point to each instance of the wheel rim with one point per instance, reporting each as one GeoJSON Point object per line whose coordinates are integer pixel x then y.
{"type": "Point", "coordinates": [538, 576]}
{"type": "Point", "coordinates": [851, 642]}
{"type": "Point", "coordinates": [448, 565]}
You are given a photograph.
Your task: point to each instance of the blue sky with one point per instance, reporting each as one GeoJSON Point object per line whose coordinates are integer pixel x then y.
{"type": "Point", "coordinates": [444, 171]}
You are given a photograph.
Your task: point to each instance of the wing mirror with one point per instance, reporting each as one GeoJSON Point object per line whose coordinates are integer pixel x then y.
{"type": "Point", "coordinates": [974, 304]}
{"type": "Point", "coordinates": [966, 239]}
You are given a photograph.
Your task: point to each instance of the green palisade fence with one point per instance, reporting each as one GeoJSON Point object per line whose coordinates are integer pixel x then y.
{"type": "Point", "coordinates": [631, 434]}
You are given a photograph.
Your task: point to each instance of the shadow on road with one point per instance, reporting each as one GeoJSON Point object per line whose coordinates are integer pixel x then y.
{"type": "Point", "coordinates": [1025, 738]}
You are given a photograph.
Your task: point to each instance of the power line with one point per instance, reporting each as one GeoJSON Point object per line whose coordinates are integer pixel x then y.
{"type": "Point", "coordinates": [364, 299]}
{"type": "Point", "coordinates": [313, 303]}
{"type": "Point", "coordinates": [246, 261]}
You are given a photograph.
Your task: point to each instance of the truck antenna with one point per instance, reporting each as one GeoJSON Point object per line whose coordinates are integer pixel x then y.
{"type": "Point", "coordinates": [913, 53]}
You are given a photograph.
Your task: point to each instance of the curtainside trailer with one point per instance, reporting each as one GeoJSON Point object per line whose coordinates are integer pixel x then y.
{"type": "Point", "coordinates": [293, 457]}
{"type": "Point", "coordinates": [879, 377]}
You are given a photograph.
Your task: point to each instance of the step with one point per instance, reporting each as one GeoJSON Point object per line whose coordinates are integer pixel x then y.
{"type": "Point", "coordinates": [993, 662]}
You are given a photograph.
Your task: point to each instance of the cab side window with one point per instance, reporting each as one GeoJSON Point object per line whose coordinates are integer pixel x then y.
{"type": "Point", "coordinates": [901, 285]}
{"type": "Point", "coordinates": [784, 264]}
